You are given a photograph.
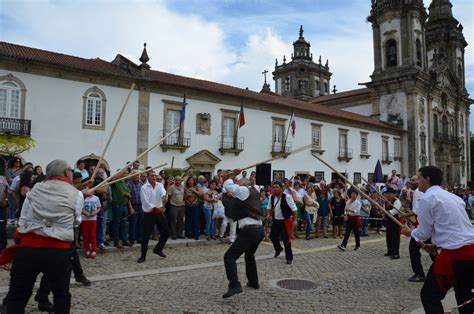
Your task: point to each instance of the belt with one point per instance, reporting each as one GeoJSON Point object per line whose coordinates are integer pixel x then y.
{"type": "Point", "coordinates": [251, 226]}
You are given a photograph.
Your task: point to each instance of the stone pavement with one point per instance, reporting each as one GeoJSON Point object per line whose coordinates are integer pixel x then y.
{"type": "Point", "coordinates": [192, 279]}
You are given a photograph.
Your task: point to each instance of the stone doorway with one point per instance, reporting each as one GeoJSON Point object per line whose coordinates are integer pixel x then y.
{"type": "Point", "coordinates": [204, 162]}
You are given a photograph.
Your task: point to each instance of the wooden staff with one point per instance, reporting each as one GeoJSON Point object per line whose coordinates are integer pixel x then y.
{"type": "Point", "coordinates": [113, 131]}
{"type": "Point", "coordinates": [138, 157]}
{"type": "Point", "coordinates": [278, 157]}
{"type": "Point", "coordinates": [172, 164]}
{"type": "Point", "coordinates": [126, 177]}
{"type": "Point", "coordinates": [395, 220]}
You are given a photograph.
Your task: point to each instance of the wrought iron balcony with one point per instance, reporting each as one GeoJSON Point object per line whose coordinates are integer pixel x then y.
{"type": "Point", "coordinates": [175, 141]}
{"type": "Point", "coordinates": [231, 145]}
{"type": "Point", "coordinates": [345, 154]}
{"type": "Point", "coordinates": [387, 158]}
{"type": "Point", "coordinates": [281, 149]}
{"type": "Point", "coordinates": [16, 127]}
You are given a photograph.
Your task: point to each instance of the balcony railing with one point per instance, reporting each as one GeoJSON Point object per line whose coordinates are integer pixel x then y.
{"type": "Point", "coordinates": [387, 158]}
{"type": "Point", "coordinates": [175, 141]}
{"type": "Point", "coordinates": [17, 127]}
{"type": "Point", "coordinates": [446, 138]}
{"type": "Point", "coordinates": [231, 145]}
{"type": "Point", "coordinates": [280, 149]}
{"type": "Point", "coordinates": [345, 154]}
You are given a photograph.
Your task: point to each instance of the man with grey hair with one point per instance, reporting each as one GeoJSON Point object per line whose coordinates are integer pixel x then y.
{"type": "Point", "coordinates": [50, 212]}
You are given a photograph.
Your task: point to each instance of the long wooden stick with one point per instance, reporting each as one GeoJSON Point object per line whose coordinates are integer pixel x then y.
{"type": "Point", "coordinates": [126, 177]}
{"type": "Point", "coordinates": [113, 131]}
{"type": "Point", "coordinates": [395, 220]}
{"type": "Point", "coordinates": [381, 195]}
{"type": "Point", "coordinates": [138, 157]}
{"type": "Point", "coordinates": [278, 157]}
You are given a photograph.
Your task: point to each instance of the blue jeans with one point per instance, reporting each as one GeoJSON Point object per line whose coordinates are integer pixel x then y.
{"type": "Point", "coordinates": [136, 224]}
{"type": "Point", "coordinates": [3, 227]}
{"type": "Point", "coordinates": [101, 225]}
{"type": "Point", "coordinates": [365, 223]}
{"type": "Point", "coordinates": [209, 222]}
{"type": "Point", "coordinates": [309, 222]}
{"type": "Point", "coordinates": [119, 223]}
{"type": "Point", "coordinates": [192, 221]}
{"type": "Point", "coordinates": [11, 208]}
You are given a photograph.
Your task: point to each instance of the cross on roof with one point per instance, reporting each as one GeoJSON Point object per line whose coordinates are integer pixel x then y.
{"type": "Point", "coordinates": [265, 75]}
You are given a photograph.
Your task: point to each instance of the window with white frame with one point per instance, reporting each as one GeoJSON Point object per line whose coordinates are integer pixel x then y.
{"type": "Point", "coordinates": [172, 122]}
{"type": "Point", "coordinates": [385, 149]}
{"type": "Point", "coordinates": [278, 136]}
{"type": "Point", "coordinates": [316, 136]}
{"type": "Point", "coordinates": [94, 109]}
{"type": "Point", "coordinates": [10, 100]}
{"type": "Point", "coordinates": [228, 132]}
{"type": "Point", "coordinates": [364, 143]}
{"type": "Point", "coordinates": [94, 105]}
{"type": "Point", "coordinates": [396, 148]}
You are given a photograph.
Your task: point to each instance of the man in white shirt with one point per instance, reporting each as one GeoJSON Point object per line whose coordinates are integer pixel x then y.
{"type": "Point", "coordinates": [249, 237]}
{"type": "Point", "coordinates": [153, 197]}
{"type": "Point", "coordinates": [443, 218]}
{"type": "Point", "coordinates": [281, 208]}
{"type": "Point", "coordinates": [392, 235]}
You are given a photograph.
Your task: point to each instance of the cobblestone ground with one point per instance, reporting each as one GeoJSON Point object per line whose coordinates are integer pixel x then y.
{"type": "Point", "coordinates": [347, 282]}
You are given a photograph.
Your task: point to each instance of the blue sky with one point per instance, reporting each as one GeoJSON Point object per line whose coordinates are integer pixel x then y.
{"type": "Point", "coordinates": [228, 41]}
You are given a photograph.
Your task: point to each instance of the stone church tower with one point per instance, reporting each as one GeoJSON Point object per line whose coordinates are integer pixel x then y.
{"type": "Point", "coordinates": [301, 78]}
{"type": "Point", "coordinates": [418, 83]}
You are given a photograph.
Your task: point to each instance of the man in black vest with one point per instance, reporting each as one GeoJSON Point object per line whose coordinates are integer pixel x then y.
{"type": "Point", "coordinates": [250, 236]}
{"type": "Point", "coordinates": [281, 208]}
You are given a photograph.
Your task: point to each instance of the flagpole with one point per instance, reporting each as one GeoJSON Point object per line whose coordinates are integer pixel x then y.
{"type": "Point", "coordinates": [288, 131]}
{"type": "Point", "coordinates": [181, 120]}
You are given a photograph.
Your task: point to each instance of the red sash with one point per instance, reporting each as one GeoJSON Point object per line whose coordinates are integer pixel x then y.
{"type": "Point", "coordinates": [443, 267]}
{"type": "Point", "coordinates": [357, 220]}
{"type": "Point", "coordinates": [289, 227]}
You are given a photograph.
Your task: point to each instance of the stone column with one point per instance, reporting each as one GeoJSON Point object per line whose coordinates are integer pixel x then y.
{"type": "Point", "coordinates": [143, 122]}
{"type": "Point", "coordinates": [412, 136]}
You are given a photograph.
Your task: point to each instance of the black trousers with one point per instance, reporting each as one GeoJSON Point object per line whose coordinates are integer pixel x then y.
{"type": "Point", "coordinates": [247, 242]}
{"type": "Point", "coordinates": [431, 295]}
{"type": "Point", "coordinates": [149, 223]}
{"type": "Point", "coordinates": [279, 230]}
{"type": "Point", "coordinates": [351, 226]}
{"type": "Point", "coordinates": [55, 264]}
{"type": "Point", "coordinates": [393, 238]}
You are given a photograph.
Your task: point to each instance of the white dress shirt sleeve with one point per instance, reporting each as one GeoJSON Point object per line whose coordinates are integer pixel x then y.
{"type": "Point", "coordinates": [240, 192]}
{"type": "Point", "coordinates": [291, 202]}
{"type": "Point", "coordinates": [396, 207]}
{"type": "Point", "coordinates": [78, 209]}
{"type": "Point", "coordinates": [425, 228]}
{"type": "Point", "coordinates": [147, 204]}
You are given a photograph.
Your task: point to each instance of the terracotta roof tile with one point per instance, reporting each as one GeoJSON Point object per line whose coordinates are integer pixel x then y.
{"type": "Point", "coordinates": [100, 66]}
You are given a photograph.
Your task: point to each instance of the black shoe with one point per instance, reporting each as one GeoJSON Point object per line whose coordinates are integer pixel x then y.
{"type": "Point", "coordinates": [387, 254]}
{"type": "Point", "coordinates": [253, 285]}
{"type": "Point", "coordinates": [341, 247]}
{"type": "Point", "coordinates": [277, 253]}
{"type": "Point", "coordinates": [231, 292]}
{"type": "Point", "coordinates": [416, 278]}
{"type": "Point", "coordinates": [46, 307]}
{"type": "Point", "coordinates": [159, 253]}
{"type": "Point", "coordinates": [127, 244]}
{"type": "Point", "coordinates": [141, 259]}
{"type": "Point", "coordinates": [174, 238]}
{"type": "Point", "coordinates": [181, 237]}
{"type": "Point", "coordinates": [82, 279]}
{"type": "Point", "coordinates": [395, 256]}
{"type": "Point", "coordinates": [357, 248]}
{"type": "Point", "coordinates": [289, 262]}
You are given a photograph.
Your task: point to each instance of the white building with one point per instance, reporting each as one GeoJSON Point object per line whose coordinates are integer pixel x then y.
{"type": "Point", "coordinates": [73, 103]}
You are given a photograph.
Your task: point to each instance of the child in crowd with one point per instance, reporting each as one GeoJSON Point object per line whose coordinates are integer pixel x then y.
{"type": "Point", "coordinates": [89, 225]}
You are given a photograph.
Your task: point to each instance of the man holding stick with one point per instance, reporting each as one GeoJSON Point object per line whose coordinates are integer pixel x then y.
{"type": "Point", "coordinates": [153, 197]}
{"type": "Point", "coordinates": [250, 236]}
{"type": "Point", "coordinates": [281, 207]}
{"type": "Point", "coordinates": [442, 217]}
{"type": "Point", "coordinates": [393, 206]}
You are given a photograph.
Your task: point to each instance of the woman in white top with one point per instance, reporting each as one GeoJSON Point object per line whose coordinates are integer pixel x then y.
{"type": "Point", "coordinates": [311, 208]}
{"type": "Point", "coordinates": [352, 218]}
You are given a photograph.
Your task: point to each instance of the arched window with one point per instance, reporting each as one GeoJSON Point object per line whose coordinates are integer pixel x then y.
{"type": "Point", "coordinates": [391, 52]}
{"type": "Point", "coordinates": [445, 125]}
{"type": "Point", "coordinates": [94, 109]}
{"type": "Point", "coordinates": [451, 128]}
{"type": "Point", "coordinates": [435, 125]}
{"type": "Point", "coordinates": [10, 100]}
{"type": "Point", "coordinates": [418, 52]}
